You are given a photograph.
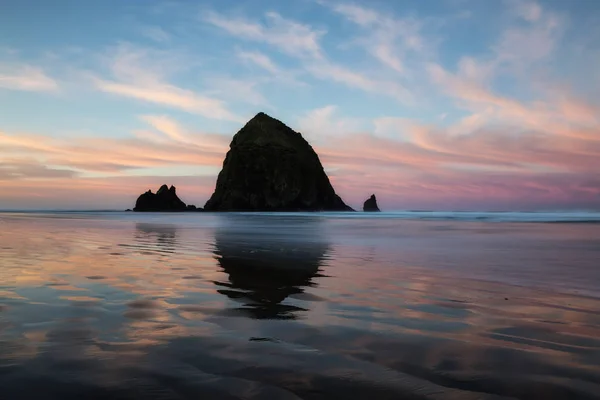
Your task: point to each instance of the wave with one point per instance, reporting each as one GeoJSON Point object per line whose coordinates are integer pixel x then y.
{"type": "Point", "coordinates": [579, 217]}
{"type": "Point", "coordinates": [467, 216]}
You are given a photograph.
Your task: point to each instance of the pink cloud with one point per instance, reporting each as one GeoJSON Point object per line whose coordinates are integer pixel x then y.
{"type": "Point", "coordinates": [169, 144]}
{"type": "Point", "coordinates": [519, 155]}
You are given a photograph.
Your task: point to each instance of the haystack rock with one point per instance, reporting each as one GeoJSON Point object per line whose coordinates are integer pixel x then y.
{"type": "Point", "coordinates": [371, 204]}
{"type": "Point", "coordinates": [164, 200]}
{"type": "Point", "coordinates": [270, 167]}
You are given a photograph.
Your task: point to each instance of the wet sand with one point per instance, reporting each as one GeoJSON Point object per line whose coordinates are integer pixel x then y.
{"type": "Point", "coordinates": [121, 306]}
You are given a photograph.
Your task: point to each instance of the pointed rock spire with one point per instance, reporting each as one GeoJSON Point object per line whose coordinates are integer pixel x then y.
{"type": "Point", "coordinates": [371, 204]}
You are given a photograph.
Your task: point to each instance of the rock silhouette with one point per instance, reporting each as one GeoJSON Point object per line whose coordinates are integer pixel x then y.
{"type": "Point", "coordinates": [164, 200]}
{"type": "Point", "coordinates": [370, 204]}
{"type": "Point", "coordinates": [270, 167]}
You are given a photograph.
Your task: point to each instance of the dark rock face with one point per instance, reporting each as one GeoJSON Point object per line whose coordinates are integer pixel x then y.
{"type": "Point", "coordinates": [164, 200]}
{"type": "Point", "coordinates": [371, 204]}
{"type": "Point", "coordinates": [269, 167]}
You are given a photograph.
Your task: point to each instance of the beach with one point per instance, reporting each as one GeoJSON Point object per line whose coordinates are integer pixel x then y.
{"type": "Point", "coordinates": [410, 305]}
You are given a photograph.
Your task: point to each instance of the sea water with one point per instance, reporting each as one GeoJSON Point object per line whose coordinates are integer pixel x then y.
{"type": "Point", "coordinates": [415, 305]}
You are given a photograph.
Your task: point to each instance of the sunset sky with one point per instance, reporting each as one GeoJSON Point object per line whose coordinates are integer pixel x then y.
{"type": "Point", "coordinates": [441, 104]}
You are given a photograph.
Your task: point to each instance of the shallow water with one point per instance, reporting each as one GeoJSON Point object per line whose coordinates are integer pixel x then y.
{"type": "Point", "coordinates": [310, 306]}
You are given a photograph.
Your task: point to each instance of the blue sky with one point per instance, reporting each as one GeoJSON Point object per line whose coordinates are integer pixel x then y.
{"type": "Point", "coordinates": [440, 104]}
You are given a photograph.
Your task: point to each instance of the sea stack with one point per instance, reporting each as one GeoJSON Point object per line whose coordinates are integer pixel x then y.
{"type": "Point", "coordinates": [164, 200]}
{"type": "Point", "coordinates": [270, 167]}
{"type": "Point", "coordinates": [371, 204]}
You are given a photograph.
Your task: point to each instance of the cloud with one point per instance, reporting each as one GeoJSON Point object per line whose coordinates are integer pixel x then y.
{"type": "Point", "coordinates": [264, 62]}
{"type": "Point", "coordinates": [238, 90]}
{"type": "Point", "coordinates": [473, 191]}
{"type": "Point", "coordinates": [172, 96]}
{"type": "Point", "coordinates": [322, 124]}
{"type": "Point", "coordinates": [497, 130]}
{"type": "Point", "coordinates": [457, 175]}
{"type": "Point", "coordinates": [333, 72]}
{"type": "Point", "coordinates": [530, 11]}
{"type": "Point", "coordinates": [393, 127]}
{"type": "Point", "coordinates": [301, 41]}
{"type": "Point", "coordinates": [476, 71]}
{"type": "Point", "coordinates": [25, 77]}
{"type": "Point", "coordinates": [457, 165]}
{"type": "Point", "coordinates": [389, 39]}
{"type": "Point", "coordinates": [31, 169]}
{"type": "Point", "coordinates": [91, 193]}
{"type": "Point", "coordinates": [167, 126]}
{"type": "Point", "coordinates": [259, 59]}
{"type": "Point", "coordinates": [506, 153]}
{"type": "Point", "coordinates": [155, 33]}
{"type": "Point", "coordinates": [385, 54]}
{"type": "Point", "coordinates": [290, 37]}
{"type": "Point", "coordinates": [560, 114]}
{"type": "Point", "coordinates": [359, 15]}
{"type": "Point", "coordinates": [523, 48]}
{"type": "Point", "coordinates": [38, 172]}
{"type": "Point", "coordinates": [164, 144]}
{"type": "Point", "coordinates": [521, 45]}
{"type": "Point", "coordinates": [140, 77]}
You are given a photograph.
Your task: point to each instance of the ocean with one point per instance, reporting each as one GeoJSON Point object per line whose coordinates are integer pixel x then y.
{"type": "Point", "coordinates": [404, 305]}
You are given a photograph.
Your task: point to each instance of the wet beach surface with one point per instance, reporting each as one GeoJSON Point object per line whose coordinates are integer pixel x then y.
{"type": "Point", "coordinates": [322, 306]}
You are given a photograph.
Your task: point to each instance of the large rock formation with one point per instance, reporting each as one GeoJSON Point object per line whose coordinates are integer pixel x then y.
{"type": "Point", "coordinates": [371, 204]}
{"type": "Point", "coordinates": [164, 200]}
{"type": "Point", "coordinates": [269, 167]}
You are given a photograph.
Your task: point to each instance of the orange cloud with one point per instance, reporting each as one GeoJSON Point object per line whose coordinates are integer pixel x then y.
{"type": "Point", "coordinates": [168, 145]}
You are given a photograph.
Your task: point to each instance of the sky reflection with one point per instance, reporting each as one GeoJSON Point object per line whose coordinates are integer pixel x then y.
{"type": "Point", "coordinates": [288, 306]}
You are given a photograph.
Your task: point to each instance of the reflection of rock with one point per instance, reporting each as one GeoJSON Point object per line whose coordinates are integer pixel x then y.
{"type": "Point", "coordinates": [268, 260]}
{"type": "Point", "coordinates": [164, 200]}
{"type": "Point", "coordinates": [269, 167]}
{"type": "Point", "coordinates": [371, 204]}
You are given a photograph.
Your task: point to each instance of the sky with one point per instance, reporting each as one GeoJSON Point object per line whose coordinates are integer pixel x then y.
{"type": "Point", "coordinates": [431, 105]}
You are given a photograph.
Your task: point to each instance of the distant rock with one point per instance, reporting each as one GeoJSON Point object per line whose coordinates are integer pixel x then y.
{"type": "Point", "coordinates": [164, 200]}
{"type": "Point", "coordinates": [270, 167]}
{"type": "Point", "coordinates": [371, 204]}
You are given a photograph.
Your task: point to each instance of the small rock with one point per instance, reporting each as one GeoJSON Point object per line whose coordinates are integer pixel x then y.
{"type": "Point", "coordinates": [371, 204]}
{"type": "Point", "coordinates": [164, 200]}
